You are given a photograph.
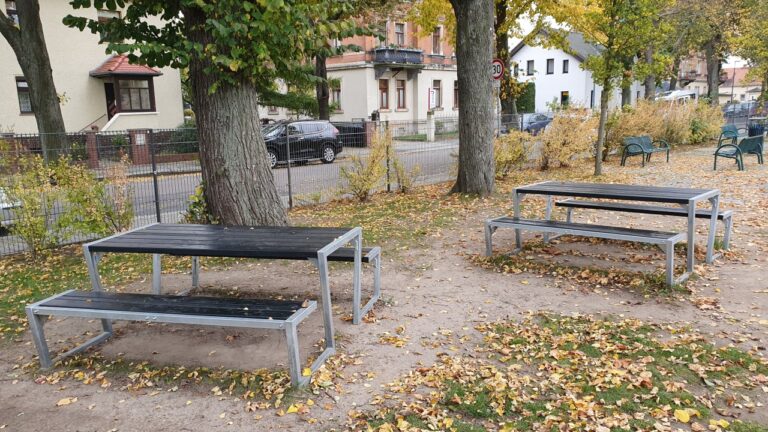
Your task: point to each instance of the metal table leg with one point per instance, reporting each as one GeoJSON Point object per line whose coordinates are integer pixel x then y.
{"type": "Point", "coordinates": [325, 294]}
{"type": "Point", "coordinates": [691, 235]}
{"type": "Point", "coordinates": [92, 262]}
{"type": "Point", "coordinates": [516, 198]}
{"type": "Point", "coordinates": [157, 272]}
{"type": "Point", "coordinates": [715, 201]}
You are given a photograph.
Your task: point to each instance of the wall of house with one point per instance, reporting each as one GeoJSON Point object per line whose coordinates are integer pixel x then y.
{"type": "Point", "coordinates": [73, 55]}
{"type": "Point", "coordinates": [577, 82]}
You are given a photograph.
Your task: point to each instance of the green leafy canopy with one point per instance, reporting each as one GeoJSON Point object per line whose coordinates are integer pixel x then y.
{"type": "Point", "coordinates": [244, 41]}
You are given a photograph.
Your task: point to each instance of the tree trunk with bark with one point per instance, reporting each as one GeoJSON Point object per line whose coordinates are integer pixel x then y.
{"type": "Point", "coordinates": [321, 89]}
{"type": "Point", "coordinates": [713, 72]}
{"type": "Point", "coordinates": [508, 105]}
{"type": "Point", "coordinates": [28, 43]}
{"type": "Point", "coordinates": [605, 97]}
{"type": "Point", "coordinates": [650, 79]}
{"type": "Point", "coordinates": [474, 53]}
{"type": "Point", "coordinates": [239, 186]}
{"type": "Point", "coordinates": [675, 73]}
{"type": "Point", "coordinates": [626, 96]}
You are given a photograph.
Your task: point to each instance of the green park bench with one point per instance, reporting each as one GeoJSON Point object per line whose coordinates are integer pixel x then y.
{"type": "Point", "coordinates": [643, 146]}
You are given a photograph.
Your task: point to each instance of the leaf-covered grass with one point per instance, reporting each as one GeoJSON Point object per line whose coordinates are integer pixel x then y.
{"type": "Point", "coordinates": [551, 372]}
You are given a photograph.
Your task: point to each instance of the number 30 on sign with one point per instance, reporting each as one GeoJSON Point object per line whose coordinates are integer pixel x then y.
{"type": "Point", "coordinates": [497, 68]}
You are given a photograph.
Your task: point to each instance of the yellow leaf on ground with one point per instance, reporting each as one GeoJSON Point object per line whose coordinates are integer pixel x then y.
{"type": "Point", "coordinates": [66, 401]}
{"type": "Point", "coordinates": [292, 409]}
{"type": "Point", "coordinates": [682, 416]}
{"type": "Point", "coordinates": [306, 372]}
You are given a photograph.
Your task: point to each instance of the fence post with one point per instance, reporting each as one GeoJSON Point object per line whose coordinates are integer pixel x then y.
{"type": "Point", "coordinates": [288, 160]}
{"type": "Point", "coordinates": [156, 187]}
{"type": "Point", "coordinates": [91, 148]}
{"type": "Point", "coordinates": [430, 126]}
{"type": "Point", "coordinates": [388, 143]}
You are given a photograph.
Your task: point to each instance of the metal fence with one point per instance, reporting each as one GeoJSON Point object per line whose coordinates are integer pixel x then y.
{"type": "Point", "coordinates": [164, 170]}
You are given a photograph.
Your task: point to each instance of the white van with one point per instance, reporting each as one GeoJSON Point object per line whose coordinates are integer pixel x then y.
{"type": "Point", "coordinates": [678, 96]}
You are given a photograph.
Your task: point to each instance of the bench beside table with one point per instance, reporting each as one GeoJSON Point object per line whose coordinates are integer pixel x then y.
{"type": "Point", "coordinates": [207, 311]}
{"type": "Point", "coordinates": [687, 198]}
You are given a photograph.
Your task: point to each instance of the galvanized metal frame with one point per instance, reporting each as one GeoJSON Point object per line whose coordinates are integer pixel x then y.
{"type": "Point", "coordinates": [37, 312]}
{"type": "Point", "coordinates": [713, 195]}
{"type": "Point", "coordinates": [726, 215]}
{"type": "Point", "coordinates": [667, 245]}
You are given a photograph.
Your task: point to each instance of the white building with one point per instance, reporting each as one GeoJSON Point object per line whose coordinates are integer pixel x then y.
{"type": "Point", "coordinates": [97, 89]}
{"type": "Point", "coordinates": [558, 75]}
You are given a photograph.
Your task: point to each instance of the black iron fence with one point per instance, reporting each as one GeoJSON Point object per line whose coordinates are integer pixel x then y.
{"type": "Point", "coordinates": [157, 171]}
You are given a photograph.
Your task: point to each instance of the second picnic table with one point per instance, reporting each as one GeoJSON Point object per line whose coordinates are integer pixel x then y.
{"type": "Point", "coordinates": [688, 198]}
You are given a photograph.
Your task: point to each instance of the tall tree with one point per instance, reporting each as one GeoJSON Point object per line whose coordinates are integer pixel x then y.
{"type": "Point", "coordinates": [623, 28]}
{"type": "Point", "coordinates": [474, 53]}
{"type": "Point", "coordinates": [234, 51]}
{"type": "Point", "coordinates": [751, 43]}
{"type": "Point", "coordinates": [28, 43]}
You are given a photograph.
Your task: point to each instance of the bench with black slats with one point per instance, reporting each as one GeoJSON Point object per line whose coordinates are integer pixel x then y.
{"type": "Point", "coordinates": [665, 240]}
{"type": "Point", "coordinates": [724, 215]}
{"type": "Point", "coordinates": [207, 311]}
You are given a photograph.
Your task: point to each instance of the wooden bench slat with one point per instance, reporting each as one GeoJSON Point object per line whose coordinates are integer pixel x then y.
{"type": "Point", "coordinates": [638, 208]}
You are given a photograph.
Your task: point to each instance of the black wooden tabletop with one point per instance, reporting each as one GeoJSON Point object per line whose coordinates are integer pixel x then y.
{"type": "Point", "coordinates": [221, 241]}
{"type": "Point", "coordinates": [616, 191]}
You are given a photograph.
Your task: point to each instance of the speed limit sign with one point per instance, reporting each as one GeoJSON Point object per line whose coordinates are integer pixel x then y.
{"type": "Point", "coordinates": [497, 68]}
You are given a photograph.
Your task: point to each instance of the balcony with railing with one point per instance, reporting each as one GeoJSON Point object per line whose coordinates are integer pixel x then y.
{"type": "Point", "coordinates": [399, 56]}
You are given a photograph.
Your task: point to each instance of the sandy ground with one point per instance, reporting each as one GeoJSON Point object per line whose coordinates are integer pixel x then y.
{"type": "Point", "coordinates": [434, 292]}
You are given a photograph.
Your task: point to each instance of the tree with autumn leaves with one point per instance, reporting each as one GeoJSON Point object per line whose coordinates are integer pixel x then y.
{"type": "Point", "coordinates": [235, 51]}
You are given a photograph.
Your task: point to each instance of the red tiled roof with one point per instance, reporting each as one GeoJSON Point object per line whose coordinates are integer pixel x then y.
{"type": "Point", "coordinates": [119, 65]}
{"type": "Point", "coordinates": [741, 75]}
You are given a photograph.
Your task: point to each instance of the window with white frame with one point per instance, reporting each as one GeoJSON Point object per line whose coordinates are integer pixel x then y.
{"type": "Point", "coordinates": [437, 90]}
{"type": "Point", "coordinates": [22, 90]}
{"type": "Point", "coordinates": [400, 34]}
{"type": "Point", "coordinates": [436, 37]}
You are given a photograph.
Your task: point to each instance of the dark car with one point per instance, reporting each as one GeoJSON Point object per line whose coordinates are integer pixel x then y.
{"type": "Point", "coordinates": [536, 127]}
{"type": "Point", "coordinates": [351, 134]}
{"type": "Point", "coordinates": [307, 139]}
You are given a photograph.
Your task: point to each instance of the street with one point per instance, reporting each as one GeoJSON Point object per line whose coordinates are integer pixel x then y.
{"type": "Point", "coordinates": [308, 181]}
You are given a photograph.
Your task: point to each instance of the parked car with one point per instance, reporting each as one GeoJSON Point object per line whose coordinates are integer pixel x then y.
{"type": "Point", "coordinates": [678, 96]}
{"type": "Point", "coordinates": [351, 134]}
{"type": "Point", "coordinates": [6, 209]}
{"type": "Point", "coordinates": [536, 127]}
{"type": "Point", "coordinates": [529, 119]}
{"type": "Point", "coordinates": [307, 139]}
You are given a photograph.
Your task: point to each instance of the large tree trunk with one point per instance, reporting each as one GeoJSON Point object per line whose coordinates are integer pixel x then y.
{"type": "Point", "coordinates": [675, 73]}
{"type": "Point", "coordinates": [474, 49]}
{"type": "Point", "coordinates": [650, 79]}
{"type": "Point", "coordinates": [239, 186]}
{"type": "Point", "coordinates": [28, 43]}
{"type": "Point", "coordinates": [508, 105]}
{"type": "Point", "coordinates": [713, 72]}
{"type": "Point", "coordinates": [321, 89]}
{"type": "Point", "coordinates": [605, 97]}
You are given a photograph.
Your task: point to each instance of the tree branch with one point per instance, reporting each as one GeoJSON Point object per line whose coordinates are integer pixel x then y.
{"type": "Point", "coordinates": [10, 32]}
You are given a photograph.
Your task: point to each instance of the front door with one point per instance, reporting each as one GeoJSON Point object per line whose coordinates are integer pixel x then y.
{"type": "Point", "coordinates": [109, 92]}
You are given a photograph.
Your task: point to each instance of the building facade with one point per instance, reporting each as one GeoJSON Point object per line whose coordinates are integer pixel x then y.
{"type": "Point", "coordinates": [559, 78]}
{"type": "Point", "coordinates": [97, 89]}
{"type": "Point", "coordinates": [737, 87]}
{"type": "Point", "coordinates": [401, 78]}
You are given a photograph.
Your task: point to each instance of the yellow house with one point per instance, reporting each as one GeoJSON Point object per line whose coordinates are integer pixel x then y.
{"type": "Point", "coordinates": [96, 88]}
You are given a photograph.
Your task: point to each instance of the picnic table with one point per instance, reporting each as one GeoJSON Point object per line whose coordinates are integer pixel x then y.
{"type": "Point", "coordinates": [318, 245]}
{"type": "Point", "coordinates": [687, 198]}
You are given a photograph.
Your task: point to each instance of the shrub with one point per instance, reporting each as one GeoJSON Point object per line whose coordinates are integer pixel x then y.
{"type": "Point", "coordinates": [706, 123]}
{"type": "Point", "coordinates": [62, 199]}
{"type": "Point", "coordinates": [510, 151]}
{"type": "Point", "coordinates": [197, 210]}
{"type": "Point", "coordinates": [32, 188]}
{"type": "Point", "coordinates": [675, 123]}
{"type": "Point", "coordinates": [366, 172]}
{"type": "Point", "coordinates": [572, 132]}
{"type": "Point", "coordinates": [405, 178]}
